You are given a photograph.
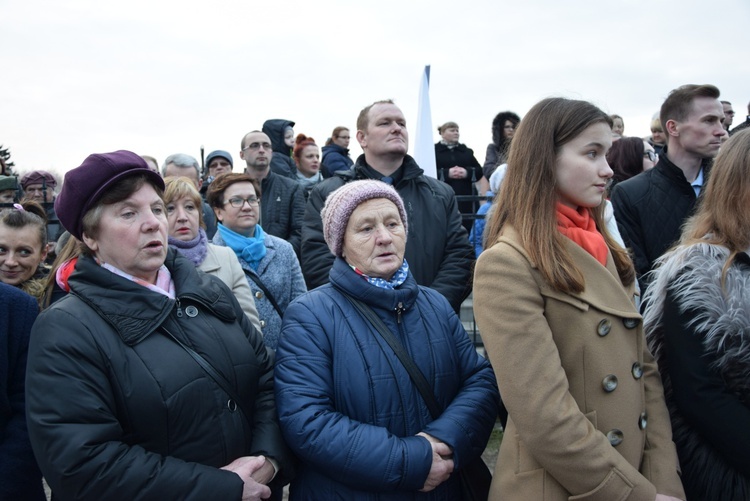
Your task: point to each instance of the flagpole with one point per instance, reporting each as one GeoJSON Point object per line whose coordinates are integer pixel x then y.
{"type": "Point", "coordinates": [424, 148]}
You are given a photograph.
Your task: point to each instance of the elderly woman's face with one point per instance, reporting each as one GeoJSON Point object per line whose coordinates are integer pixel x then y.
{"type": "Point", "coordinates": [132, 234]}
{"type": "Point", "coordinates": [21, 252]}
{"type": "Point", "coordinates": [183, 216]}
{"type": "Point", "coordinates": [375, 239]}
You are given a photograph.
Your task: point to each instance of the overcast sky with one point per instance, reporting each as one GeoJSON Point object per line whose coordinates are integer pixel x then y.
{"type": "Point", "coordinates": [160, 77]}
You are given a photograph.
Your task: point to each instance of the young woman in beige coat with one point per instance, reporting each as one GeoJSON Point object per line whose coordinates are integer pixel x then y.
{"type": "Point", "coordinates": [553, 301]}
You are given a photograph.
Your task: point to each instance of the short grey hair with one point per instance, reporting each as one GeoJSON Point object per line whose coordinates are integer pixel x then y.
{"type": "Point", "coordinates": [183, 161]}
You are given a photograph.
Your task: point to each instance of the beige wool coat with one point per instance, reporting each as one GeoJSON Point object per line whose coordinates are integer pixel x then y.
{"type": "Point", "coordinates": [223, 262]}
{"type": "Point", "coordinates": [588, 419]}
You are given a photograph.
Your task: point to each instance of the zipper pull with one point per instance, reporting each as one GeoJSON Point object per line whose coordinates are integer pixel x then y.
{"type": "Point", "coordinates": [179, 308]}
{"type": "Point", "coordinates": [399, 311]}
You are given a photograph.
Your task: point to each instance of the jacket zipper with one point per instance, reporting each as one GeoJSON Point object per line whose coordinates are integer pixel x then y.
{"type": "Point", "coordinates": [399, 310]}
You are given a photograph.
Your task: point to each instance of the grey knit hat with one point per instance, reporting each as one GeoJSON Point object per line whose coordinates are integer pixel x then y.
{"type": "Point", "coordinates": [341, 203]}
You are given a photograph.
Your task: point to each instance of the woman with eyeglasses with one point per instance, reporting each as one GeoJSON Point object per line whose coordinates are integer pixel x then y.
{"type": "Point", "coordinates": [628, 157]}
{"type": "Point", "coordinates": [271, 267]}
{"type": "Point", "coordinates": [336, 152]}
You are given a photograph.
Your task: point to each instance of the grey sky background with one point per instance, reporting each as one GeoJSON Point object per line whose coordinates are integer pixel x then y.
{"type": "Point", "coordinates": [160, 77]}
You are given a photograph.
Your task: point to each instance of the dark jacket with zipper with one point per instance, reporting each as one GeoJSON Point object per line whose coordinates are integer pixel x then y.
{"type": "Point", "coordinates": [282, 208]}
{"type": "Point", "coordinates": [348, 407]}
{"type": "Point", "coordinates": [650, 209]}
{"type": "Point", "coordinates": [437, 245]}
{"type": "Point", "coordinates": [118, 410]}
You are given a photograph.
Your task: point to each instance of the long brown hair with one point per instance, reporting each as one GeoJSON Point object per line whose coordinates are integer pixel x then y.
{"type": "Point", "coordinates": [721, 217]}
{"type": "Point", "coordinates": [529, 192]}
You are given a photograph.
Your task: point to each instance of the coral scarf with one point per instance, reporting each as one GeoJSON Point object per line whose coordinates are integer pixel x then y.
{"type": "Point", "coordinates": [579, 226]}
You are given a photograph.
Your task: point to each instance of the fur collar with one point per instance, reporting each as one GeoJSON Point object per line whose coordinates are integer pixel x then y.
{"type": "Point", "coordinates": [693, 274]}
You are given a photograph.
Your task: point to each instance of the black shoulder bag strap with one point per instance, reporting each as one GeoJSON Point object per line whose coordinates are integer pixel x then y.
{"type": "Point", "coordinates": [414, 373]}
{"type": "Point", "coordinates": [475, 478]}
{"type": "Point", "coordinates": [212, 373]}
{"type": "Point", "coordinates": [255, 278]}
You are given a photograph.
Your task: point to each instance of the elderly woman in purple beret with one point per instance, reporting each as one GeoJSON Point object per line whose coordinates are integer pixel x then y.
{"type": "Point", "coordinates": [147, 381]}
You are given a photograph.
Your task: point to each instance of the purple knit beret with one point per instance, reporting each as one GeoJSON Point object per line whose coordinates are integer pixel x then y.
{"type": "Point", "coordinates": [38, 177]}
{"type": "Point", "coordinates": [86, 184]}
{"type": "Point", "coordinates": [341, 203]}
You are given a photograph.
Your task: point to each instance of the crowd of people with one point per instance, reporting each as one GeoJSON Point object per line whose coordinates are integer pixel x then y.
{"type": "Point", "coordinates": [185, 331]}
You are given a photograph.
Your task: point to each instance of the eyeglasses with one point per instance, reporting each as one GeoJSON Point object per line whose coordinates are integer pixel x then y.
{"type": "Point", "coordinates": [651, 155]}
{"type": "Point", "coordinates": [238, 202]}
{"type": "Point", "coordinates": [257, 146]}
{"type": "Point", "coordinates": [343, 137]}
{"type": "Point", "coordinates": [657, 131]}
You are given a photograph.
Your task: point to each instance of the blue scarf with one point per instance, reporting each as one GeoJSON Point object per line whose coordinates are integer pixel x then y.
{"type": "Point", "coordinates": [398, 278]}
{"type": "Point", "coordinates": [251, 250]}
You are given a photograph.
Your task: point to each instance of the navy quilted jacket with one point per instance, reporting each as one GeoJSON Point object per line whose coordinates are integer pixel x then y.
{"type": "Point", "coordinates": [347, 406]}
{"type": "Point", "coordinates": [650, 209]}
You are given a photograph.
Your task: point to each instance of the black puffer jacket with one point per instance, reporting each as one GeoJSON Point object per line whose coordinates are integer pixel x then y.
{"type": "Point", "coordinates": [282, 208]}
{"type": "Point", "coordinates": [281, 160]}
{"type": "Point", "coordinates": [117, 410]}
{"type": "Point", "coordinates": [437, 246]}
{"type": "Point", "coordinates": [650, 209]}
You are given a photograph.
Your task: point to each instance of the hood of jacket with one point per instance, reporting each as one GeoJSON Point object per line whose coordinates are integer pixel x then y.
{"type": "Point", "coordinates": [133, 311]}
{"type": "Point", "coordinates": [274, 129]}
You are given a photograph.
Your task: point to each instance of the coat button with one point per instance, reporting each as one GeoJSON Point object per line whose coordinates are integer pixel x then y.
{"type": "Point", "coordinates": [615, 437]}
{"type": "Point", "coordinates": [191, 311]}
{"type": "Point", "coordinates": [262, 323]}
{"type": "Point", "coordinates": [259, 294]}
{"type": "Point", "coordinates": [604, 327]}
{"type": "Point", "coordinates": [609, 383]}
{"type": "Point", "coordinates": [231, 405]}
{"type": "Point", "coordinates": [637, 370]}
{"type": "Point", "coordinates": [643, 420]}
{"type": "Point", "coordinates": [630, 323]}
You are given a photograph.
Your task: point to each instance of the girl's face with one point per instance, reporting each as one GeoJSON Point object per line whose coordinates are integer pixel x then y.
{"type": "Point", "coordinates": [21, 253]}
{"type": "Point", "coordinates": [618, 127]}
{"type": "Point", "coordinates": [289, 137]}
{"type": "Point", "coordinates": [582, 170]}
